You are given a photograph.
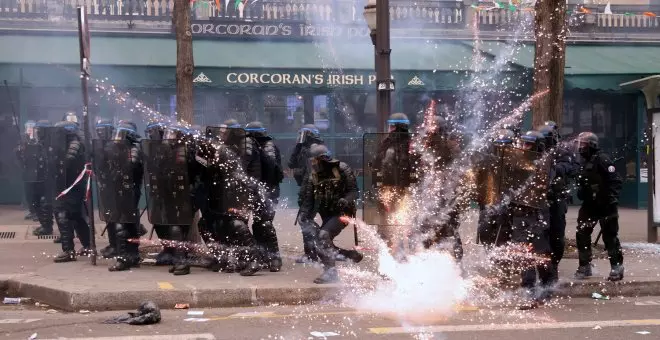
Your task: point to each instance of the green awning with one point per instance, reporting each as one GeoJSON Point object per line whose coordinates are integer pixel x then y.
{"type": "Point", "coordinates": [597, 67]}
{"type": "Point", "coordinates": [146, 51]}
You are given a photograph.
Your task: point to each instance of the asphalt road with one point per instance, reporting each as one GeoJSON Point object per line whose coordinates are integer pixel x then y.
{"type": "Point", "coordinates": [620, 318]}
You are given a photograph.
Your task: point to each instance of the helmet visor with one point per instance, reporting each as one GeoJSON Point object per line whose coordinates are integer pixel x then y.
{"type": "Point", "coordinates": [123, 133]}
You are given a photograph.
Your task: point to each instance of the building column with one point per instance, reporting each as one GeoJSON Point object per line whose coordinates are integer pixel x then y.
{"type": "Point", "coordinates": [308, 109]}
{"type": "Point", "coordinates": [642, 188]}
{"type": "Point", "coordinates": [398, 101]}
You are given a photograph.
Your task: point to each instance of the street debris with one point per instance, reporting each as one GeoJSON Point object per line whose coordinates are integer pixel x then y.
{"type": "Point", "coordinates": [323, 334]}
{"type": "Point", "coordinates": [147, 314]}
{"type": "Point", "coordinates": [597, 296]}
{"type": "Point", "coordinates": [181, 306]}
{"type": "Point", "coordinates": [643, 332]}
{"type": "Point", "coordinates": [33, 336]}
{"type": "Point", "coordinates": [597, 327]}
{"type": "Point", "coordinates": [196, 320]}
{"type": "Point", "coordinates": [83, 311]}
{"type": "Point", "coordinates": [11, 301]}
{"type": "Point", "coordinates": [51, 311]}
{"type": "Point", "coordinates": [195, 312]}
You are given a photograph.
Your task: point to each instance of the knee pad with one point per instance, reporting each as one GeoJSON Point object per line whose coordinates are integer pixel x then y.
{"type": "Point", "coordinates": [324, 237]}
{"type": "Point", "coordinates": [62, 217]}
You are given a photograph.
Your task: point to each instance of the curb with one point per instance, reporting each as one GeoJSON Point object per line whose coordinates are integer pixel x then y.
{"type": "Point", "coordinates": [74, 298]}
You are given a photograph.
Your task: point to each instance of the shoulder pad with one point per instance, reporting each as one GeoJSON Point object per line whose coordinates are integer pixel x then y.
{"type": "Point", "coordinates": [344, 167]}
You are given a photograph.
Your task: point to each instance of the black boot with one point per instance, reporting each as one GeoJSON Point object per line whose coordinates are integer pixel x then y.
{"type": "Point", "coordinates": [65, 256]}
{"type": "Point", "coordinates": [111, 250]}
{"type": "Point", "coordinates": [329, 275]}
{"type": "Point", "coordinates": [275, 264]}
{"type": "Point", "coordinates": [43, 231]}
{"type": "Point", "coordinates": [251, 269]}
{"type": "Point", "coordinates": [583, 272]}
{"type": "Point", "coordinates": [108, 252]}
{"type": "Point", "coordinates": [616, 274]}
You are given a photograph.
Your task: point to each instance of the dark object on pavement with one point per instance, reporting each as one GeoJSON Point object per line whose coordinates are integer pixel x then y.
{"type": "Point", "coordinates": [147, 314]}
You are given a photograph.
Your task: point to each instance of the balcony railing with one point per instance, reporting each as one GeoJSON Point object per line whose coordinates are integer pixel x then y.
{"type": "Point", "coordinates": [404, 13]}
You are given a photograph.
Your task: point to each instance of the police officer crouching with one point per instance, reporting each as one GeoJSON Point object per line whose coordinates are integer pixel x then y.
{"type": "Point", "coordinates": [330, 189]}
{"type": "Point", "coordinates": [599, 185]}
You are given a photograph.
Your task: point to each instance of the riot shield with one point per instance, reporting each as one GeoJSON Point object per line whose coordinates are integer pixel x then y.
{"type": "Point", "coordinates": [115, 181]}
{"type": "Point", "coordinates": [167, 182]}
{"type": "Point", "coordinates": [229, 186]}
{"type": "Point", "coordinates": [56, 147]}
{"type": "Point", "coordinates": [488, 176]}
{"type": "Point", "coordinates": [387, 175]}
{"type": "Point", "coordinates": [525, 177]}
{"type": "Point", "coordinates": [35, 162]}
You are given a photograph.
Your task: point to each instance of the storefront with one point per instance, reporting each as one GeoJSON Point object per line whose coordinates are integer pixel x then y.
{"type": "Point", "coordinates": [286, 85]}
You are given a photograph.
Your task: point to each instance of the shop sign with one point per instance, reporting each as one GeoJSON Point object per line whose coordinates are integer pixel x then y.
{"type": "Point", "coordinates": [267, 30]}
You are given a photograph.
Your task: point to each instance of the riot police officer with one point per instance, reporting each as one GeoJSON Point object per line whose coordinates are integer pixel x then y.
{"type": "Point", "coordinates": [230, 198]}
{"type": "Point", "coordinates": [154, 132]}
{"type": "Point", "coordinates": [105, 131]}
{"type": "Point", "coordinates": [440, 151]}
{"type": "Point", "coordinates": [68, 208]}
{"type": "Point", "coordinates": [126, 157]}
{"type": "Point", "coordinates": [599, 185]}
{"type": "Point", "coordinates": [34, 158]}
{"type": "Point", "coordinates": [330, 189]}
{"type": "Point", "coordinates": [308, 136]}
{"type": "Point", "coordinates": [494, 225]}
{"type": "Point", "coordinates": [271, 176]}
{"type": "Point", "coordinates": [28, 157]}
{"type": "Point", "coordinates": [393, 165]}
{"type": "Point", "coordinates": [563, 171]}
{"type": "Point", "coordinates": [175, 136]}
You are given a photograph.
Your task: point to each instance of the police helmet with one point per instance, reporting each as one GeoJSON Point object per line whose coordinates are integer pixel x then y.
{"type": "Point", "coordinates": [587, 142]}
{"type": "Point", "coordinates": [70, 117]}
{"type": "Point", "coordinates": [104, 128]}
{"type": "Point", "coordinates": [515, 129]}
{"type": "Point", "coordinates": [155, 130]}
{"type": "Point", "coordinates": [533, 141]}
{"type": "Point", "coordinates": [70, 127]}
{"type": "Point", "coordinates": [40, 129]}
{"type": "Point", "coordinates": [398, 122]}
{"type": "Point", "coordinates": [29, 128]}
{"type": "Point", "coordinates": [550, 134]}
{"type": "Point", "coordinates": [320, 151]}
{"type": "Point", "coordinates": [126, 130]}
{"type": "Point", "coordinates": [175, 131]}
{"type": "Point", "coordinates": [256, 129]}
{"type": "Point", "coordinates": [307, 132]}
{"type": "Point", "coordinates": [504, 136]}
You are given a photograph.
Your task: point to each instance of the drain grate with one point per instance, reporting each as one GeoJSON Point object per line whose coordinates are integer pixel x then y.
{"type": "Point", "coordinates": [47, 237]}
{"type": "Point", "coordinates": [5, 235]}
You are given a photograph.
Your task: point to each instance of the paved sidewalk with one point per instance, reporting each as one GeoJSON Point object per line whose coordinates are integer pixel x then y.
{"type": "Point", "coordinates": [27, 270]}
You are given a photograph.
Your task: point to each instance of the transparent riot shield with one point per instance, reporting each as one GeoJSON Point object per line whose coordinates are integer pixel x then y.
{"type": "Point", "coordinates": [35, 162]}
{"type": "Point", "coordinates": [388, 173]}
{"type": "Point", "coordinates": [488, 176]}
{"type": "Point", "coordinates": [115, 181]}
{"type": "Point", "coordinates": [167, 182]}
{"type": "Point", "coordinates": [525, 177]}
{"type": "Point", "coordinates": [56, 148]}
{"type": "Point", "coordinates": [230, 189]}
